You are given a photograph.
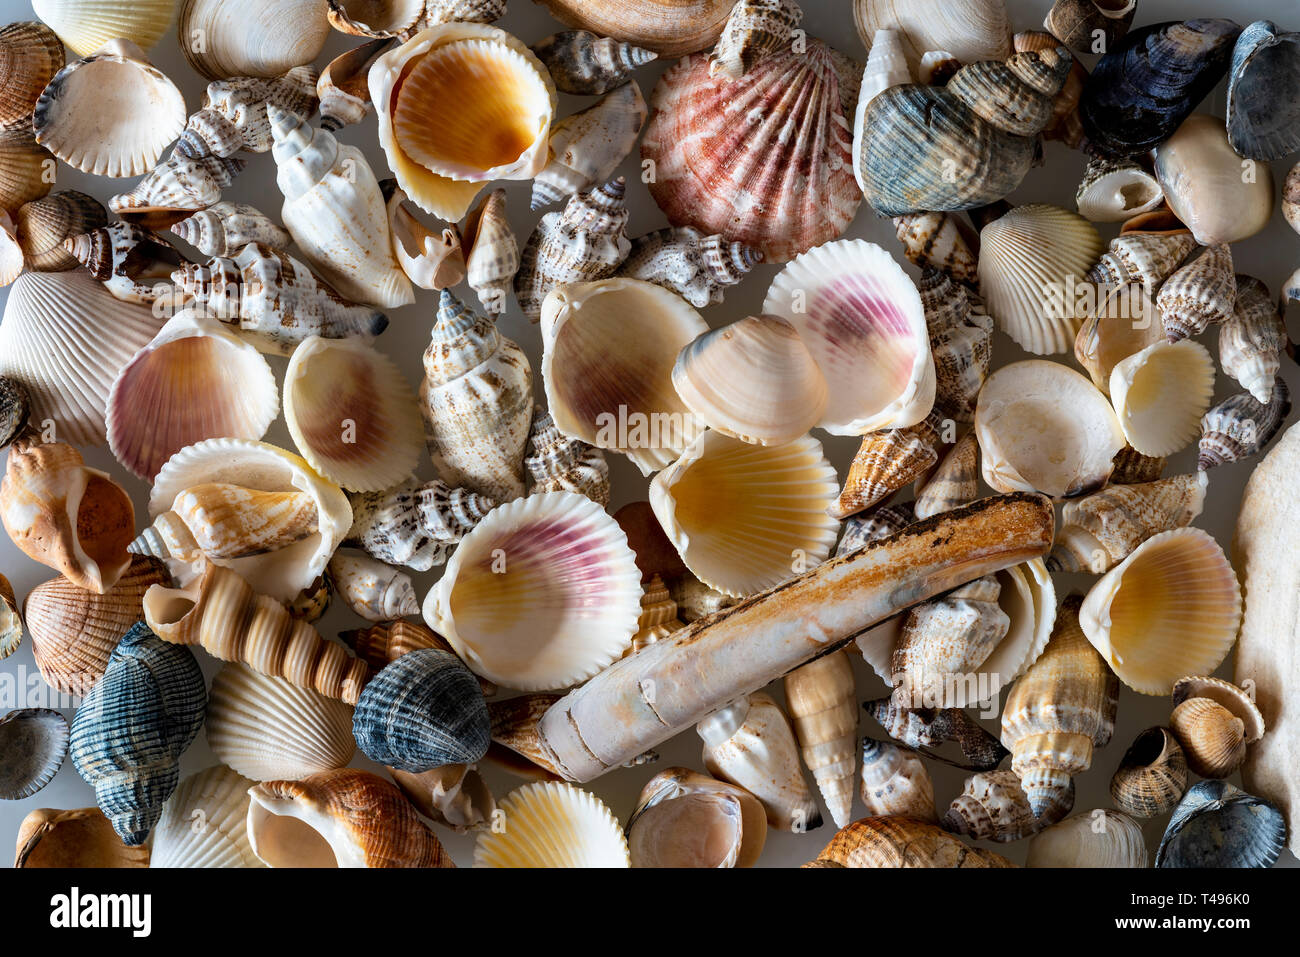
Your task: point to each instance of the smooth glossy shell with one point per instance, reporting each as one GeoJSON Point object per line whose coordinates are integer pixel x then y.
{"type": "Point", "coordinates": [668, 27]}
{"type": "Point", "coordinates": [1096, 839]}
{"type": "Point", "coordinates": [265, 40]}
{"type": "Point", "coordinates": [687, 819]}
{"type": "Point", "coordinates": [1113, 191]}
{"type": "Point", "coordinates": [553, 825]}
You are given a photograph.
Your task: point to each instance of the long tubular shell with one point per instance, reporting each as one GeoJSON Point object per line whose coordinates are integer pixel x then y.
{"type": "Point", "coordinates": [902, 842]}
{"type": "Point", "coordinates": [663, 689]}
{"type": "Point", "coordinates": [822, 700]}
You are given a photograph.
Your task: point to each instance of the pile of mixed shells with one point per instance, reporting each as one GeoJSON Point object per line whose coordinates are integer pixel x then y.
{"type": "Point", "coordinates": [352, 601]}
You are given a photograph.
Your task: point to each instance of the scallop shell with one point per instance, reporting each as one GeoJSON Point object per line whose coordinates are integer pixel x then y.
{"type": "Point", "coordinates": [462, 104]}
{"type": "Point", "coordinates": [556, 463]}
{"type": "Point", "coordinates": [1152, 775]}
{"type": "Point", "coordinates": [1219, 825]}
{"type": "Point", "coordinates": [491, 252]}
{"type": "Point", "coordinates": [993, 807]}
{"type": "Point", "coordinates": [415, 525]}
{"type": "Point", "coordinates": [1097, 838]}
{"type": "Point", "coordinates": [561, 557]}
{"type": "Point", "coordinates": [895, 782]}
{"type": "Point", "coordinates": [954, 482]}
{"type": "Point", "coordinates": [376, 18]}
{"type": "Point", "coordinates": [27, 169]}
{"type": "Point", "coordinates": [1170, 608]}
{"type": "Point", "coordinates": [237, 41]}
{"type": "Point", "coordinates": [607, 367]}
{"type": "Point", "coordinates": [586, 147]}
{"type": "Point", "coordinates": [176, 188]}
{"type": "Point", "coordinates": [268, 729]}
{"type": "Point", "coordinates": [30, 55]}
{"type": "Point", "coordinates": [77, 838]}
{"type": "Point", "coordinates": [670, 28]}
{"type": "Point", "coordinates": [86, 25]}
{"type": "Point", "coordinates": [1252, 339]}
{"type": "Point", "coordinates": [343, 87]}
{"type": "Point", "coordinates": [1043, 427]}
{"type": "Point", "coordinates": [1239, 426]}
{"type": "Point", "coordinates": [940, 241]}
{"type": "Point", "coordinates": [1214, 721]}
{"type": "Point", "coordinates": [754, 29]}
{"type": "Point", "coordinates": [969, 30]}
{"type": "Point", "coordinates": [34, 742]}
{"type": "Point", "coordinates": [1115, 190]}
{"type": "Point", "coordinates": [341, 818]}
{"type": "Point", "coordinates": [687, 819]}
{"type": "Point", "coordinates": [822, 701]}
{"type": "Point", "coordinates": [374, 591]}
{"type": "Point", "coordinates": [430, 258]}
{"type": "Point", "coordinates": [225, 228]}
{"type": "Point", "coordinates": [585, 64]}
{"type": "Point", "coordinates": [1029, 260]}
{"type": "Point", "coordinates": [1264, 74]}
{"type": "Point", "coordinates": [698, 268]}
{"type": "Point", "coordinates": [553, 825]}
{"type": "Point", "coordinates": [204, 823]}
{"type": "Point", "coordinates": [1161, 393]}
{"type": "Point", "coordinates": [880, 842]}
{"type": "Point", "coordinates": [765, 160]}
{"type": "Point", "coordinates": [1200, 293]}
{"type": "Point", "coordinates": [960, 343]}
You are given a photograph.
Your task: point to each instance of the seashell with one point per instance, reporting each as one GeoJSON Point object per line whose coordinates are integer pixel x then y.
{"type": "Point", "coordinates": [1115, 190]}
{"type": "Point", "coordinates": [585, 64]}
{"type": "Point", "coordinates": [196, 380]}
{"type": "Point", "coordinates": [586, 147]}
{"type": "Point", "coordinates": [1152, 775]}
{"type": "Point", "coordinates": [133, 726]}
{"type": "Point", "coordinates": [1264, 73]}
{"type": "Point", "coordinates": [134, 264]}
{"type": "Point", "coordinates": [687, 819]}
{"type": "Point", "coordinates": [1291, 198]}
{"type": "Point", "coordinates": [1029, 260]}
{"type": "Point", "coordinates": [421, 712]}
{"type": "Point", "coordinates": [658, 617]}
{"type": "Point", "coordinates": [1252, 339]}
{"type": "Point", "coordinates": [856, 310]}
{"type": "Point", "coordinates": [823, 708]}
{"type": "Point", "coordinates": [491, 252]}
{"type": "Point", "coordinates": [205, 823]}
{"type": "Point", "coordinates": [11, 253]}
{"type": "Point", "coordinates": [176, 189]}
{"type": "Point", "coordinates": [312, 602]}
{"type": "Point", "coordinates": [609, 350]}
{"type": "Point", "coordinates": [886, 67]}
{"type": "Point", "coordinates": [335, 212]}
{"type": "Point", "coordinates": [940, 241]}
{"type": "Point", "coordinates": [343, 88]}
{"type": "Point", "coordinates": [1239, 426]}
{"type": "Point", "coordinates": [30, 55]}
{"type": "Point", "coordinates": [1214, 720]}
{"type": "Point", "coordinates": [1043, 427]}
{"type": "Point", "coordinates": [1219, 825]}
{"type": "Point", "coordinates": [42, 225]}
{"type": "Point", "coordinates": [77, 838]}
{"type": "Point", "coordinates": [351, 414]}
{"type": "Point", "coordinates": [696, 267]}
{"type": "Point", "coordinates": [553, 824]}
{"type": "Point", "coordinates": [872, 526]}
{"type": "Point", "coordinates": [880, 842]}
{"type": "Point", "coordinates": [224, 229]}
{"type": "Point", "coordinates": [1149, 82]}
{"type": "Point", "coordinates": [754, 29]}
{"type": "Point", "coordinates": [775, 501]}
{"type": "Point", "coordinates": [1160, 394]}
{"type": "Point", "coordinates": [1171, 607]}
{"type": "Point", "coordinates": [477, 402]}
{"type": "Point", "coordinates": [86, 25]}
{"type": "Point", "coordinates": [970, 30]}
{"type": "Point", "coordinates": [234, 113]}
{"type": "Point", "coordinates": [1102, 529]}
{"type": "Point", "coordinates": [11, 621]}
{"type": "Point", "coordinates": [514, 727]}
{"type": "Point", "coordinates": [430, 259]}
{"type": "Point", "coordinates": [110, 114]}
{"type": "Point", "coordinates": [752, 380]}
{"type": "Point", "coordinates": [1200, 293]}
{"type": "Point", "coordinates": [242, 42]}
{"type": "Point", "coordinates": [955, 480]}
{"type": "Point", "coordinates": [374, 591]}
{"type": "Point", "coordinates": [1124, 324]}
{"type": "Point", "coordinates": [895, 782]}
{"type": "Point", "coordinates": [26, 168]}
{"type": "Point", "coordinates": [960, 343]}
{"type": "Point", "coordinates": [415, 525]}
{"type": "Point", "coordinates": [463, 104]}
{"type": "Point", "coordinates": [694, 599]}
{"type": "Point", "coordinates": [584, 243]}
{"type": "Point", "coordinates": [220, 612]}
{"type": "Point", "coordinates": [560, 556]}
{"type": "Point", "coordinates": [267, 729]}
{"type": "Point", "coordinates": [383, 643]}
{"type": "Point", "coordinates": [276, 301]}
{"type": "Point", "coordinates": [60, 512]}
{"type": "Point", "coordinates": [15, 409]}
{"type": "Point", "coordinates": [556, 463]}
{"type": "Point", "coordinates": [993, 807]}
{"type": "Point", "coordinates": [34, 742]}
{"type": "Point", "coordinates": [1133, 468]}
{"type": "Point", "coordinates": [750, 743]}
{"type": "Point", "coordinates": [1058, 711]}
{"type": "Point", "coordinates": [376, 18]}
{"type": "Point", "coordinates": [1146, 257]}
{"type": "Point", "coordinates": [1090, 26]}
{"type": "Point", "coordinates": [670, 28]}
{"type": "Point", "coordinates": [1099, 838]}
{"type": "Point", "coordinates": [765, 160]}
{"type": "Point", "coordinates": [454, 795]}
{"type": "Point", "coordinates": [966, 144]}
{"type": "Point", "coordinates": [1207, 187]}
{"type": "Point", "coordinates": [655, 552]}
{"type": "Point", "coordinates": [1065, 125]}
{"type": "Point", "coordinates": [340, 818]}
{"type": "Point", "coordinates": [885, 462]}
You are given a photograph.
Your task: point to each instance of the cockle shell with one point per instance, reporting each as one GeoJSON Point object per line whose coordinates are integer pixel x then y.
{"type": "Point", "coordinates": [585, 242]}
{"type": "Point", "coordinates": [609, 350]}
{"type": "Point", "coordinates": [43, 224]}
{"type": "Point", "coordinates": [1214, 721]}
{"type": "Point", "coordinates": [60, 512]}
{"type": "Point", "coordinates": [1100, 839]}
{"type": "Point", "coordinates": [491, 252]}
{"type": "Point", "coordinates": [895, 782]}
{"type": "Point", "coordinates": [134, 264]}
{"type": "Point", "coordinates": [960, 343]}
{"type": "Point", "coordinates": [373, 590]}
{"type": "Point", "coordinates": [1160, 394]}
{"type": "Point", "coordinates": [1239, 426]}
{"type": "Point", "coordinates": [1058, 711]}
{"type": "Point", "coordinates": [553, 825]}
{"type": "Point", "coordinates": [1218, 825]}
{"type": "Point", "coordinates": [565, 593]}
{"type": "Point", "coordinates": [886, 462]}
{"type": "Point", "coordinates": [335, 211]}
{"type": "Point", "coordinates": [461, 104]}
{"type": "Point", "coordinates": [341, 818]}
{"type": "Point", "coordinates": [34, 742]}
{"type": "Point", "coordinates": [670, 28]}
{"type": "Point", "coordinates": [268, 729]}
{"type": "Point", "coordinates": [1114, 190]}
{"type": "Point", "coordinates": [754, 29]}
{"type": "Point", "coordinates": [1044, 427]}
{"type": "Point", "coordinates": [476, 398]}
{"type": "Point", "coordinates": [454, 795]}
{"type": "Point", "coordinates": [430, 258]}
{"type": "Point", "coordinates": [222, 39]}
{"type": "Point", "coordinates": [86, 25]}
{"type": "Point", "coordinates": [687, 819]}
{"type": "Point", "coordinates": [586, 147]}
{"type": "Point", "coordinates": [822, 701]}
{"type": "Point", "coordinates": [585, 64]}
{"type": "Point", "coordinates": [1252, 339]}
{"type": "Point", "coordinates": [993, 807]}
{"type": "Point", "coordinates": [234, 115]}
{"type": "Point", "coordinates": [376, 18]}
{"type": "Point", "coordinates": [1264, 73]}
{"type": "Point", "coordinates": [764, 160]}
{"type": "Point", "coordinates": [11, 253]}
{"type": "Point", "coordinates": [557, 463]}
{"type": "Point", "coordinates": [27, 169]}
{"type": "Point", "coordinates": [698, 268]}
{"type": "Point", "coordinates": [343, 87]}
{"type": "Point", "coordinates": [111, 114]}
{"type": "Point", "coordinates": [750, 743]}
{"type": "Point", "coordinates": [940, 241]}
{"type": "Point", "coordinates": [1152, 775]}
{"type": "Point", "coordinates": [176, 188]}
{"type": "Point", "coordinates": [352, 414]}
{"type": "Point", "coordinates": [30, 55]}
{"type": "Point", "coordinates": [415, 525]}
{"type": "Point", "coordinates": [196, 380]}
{"type": "Point", "coordinates": [76, 838]}
{"type": "Point", "coordinates": [954, 482]}
{"type": "Point", "coordinates": [226, 228]}
{"type": "Point", "coordinates": [134, 725]}
{"type": "Point", "coordinates": [11, 621]}
{"type": "Point", "coordinates": [204, 823]}
{"type": "Point", "coordinates": [881, 842]}
{"type": "Point", "coordinates": [970, 30]}
{"type": "Point", "coordinates": [1171, 608]}
{"type": "Point", "coordinates": [1199, 294]}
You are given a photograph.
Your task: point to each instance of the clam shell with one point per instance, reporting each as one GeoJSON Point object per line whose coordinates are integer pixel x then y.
{"type": "Point", "coordinates": [888, 842]}
{"type": "Point", "coordinates": [268, 729]}
{"type": "Point", "coordinates": [374, 591]}
{"type": "Point", "coordinates": [26, 168]}
{"type": "Point", "coordinates": [30, 55]}
{"type": "Point", "coordinates": [588, 146]}
{"type": "Point", "coordinates": [687, 819]}
{"type": "Point", "coordinates": [77, 838]}
{"type": "Point", "coordinates": [565, 593]}
{"type": "Point", "coordinates": [86, 25]}
{"type": "Point", "coordinates": [1265, 74]}
{"type": "Point", "coordinates": [670, 28]}
{"type": "Point", "coordinates": [1171, 608]}
{"type": "Point", "coordinates": [1219, 825]}
{"type": "Point", "coordinates": [491, 252]}
{"type": "Point", "coordinates": [11, 253]}
{"type": "Point", "coordinates": [1161, 393]}
{"type": "Point", "coordinates": [1252, 339]}
{"type": "Point", "coordinates": [1093, 839]}
{"type": "Point", "coordinates": [43, 224]}
{"type": "Point", "coordinates": [205, 823]}
{"type": "Point", "coordinates": [1152, 775]}
{"type": "Point", "coordinates": [225, 228]}
{"type": "Point", "coordinates": [1124, 324]}
{"type": "Point", "coordinates": [376, 18]}
{"type": "Point", "coordinates": [895, 782]}
{"type": "Point", "coordinates": [266, 41]}
{"type": "Point", "coordinates": [1239, 426]}
{"type": "Point", "coordinates": [1200, 293]}
{"type": "Point", "coordinates": [583, 63]}
{"type": "Point", "coordinates": [553, 825]}
{"type": "Point", "coordinates": [1113, 190]}
{"type": "Point", "coordinates": [1214, 721]}
{"type": "Point", "coordinates": [34, 742]}
{"type": "Point", "coordinates": [970, 30]}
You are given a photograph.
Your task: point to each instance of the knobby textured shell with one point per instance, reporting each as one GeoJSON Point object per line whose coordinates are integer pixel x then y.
{"type": "Point", "coordinates": [926, 728]}
{"type": "Point", "coordinates": [267, 40]}
{"type": "Point", "coordinates": [583, 63]}
{"type": "Point", "coordinates": [698, 268]}
{"type": "Point", "coordinates": [1265, 70]}
{"type": "Point", "coordinates": [994, 807]}
{"type": "Point", "coordinates": [225, 228]}
{"type": "Point", "coordinates": [557, 463]}
{"type": "Point", "coordinates": [1219, 825]}
{"type": "Point", "coordinates": [754, 30]}
{"type": "Point", "coordinates": [416, 526]}
{"type": "Point", "coordinates": [77, 838]}
{"type": "Point", "coordinates": [132, 263]}
{"type": "Point", "coordinates": [1199, 294]}
{"type": "Point", "coordinates": [960, 342]}
{"type": "Point", "coordinates": [1240, 426]}
{"type": "Point", "coordinates": [887, 461]}
{"type": "Point", "coordinates": [1252, 339]}
{"type": "Point", "coordinates": [1152, 775]}
{"type": "Point", "coordinates": [687, 819]}
{"type": "Point", "coordinates": [553, 825]}
{"type": "Point", "coordinates": [969, 31]}
{"type": "Point", "coordinates": [236, 112]}
{"type": "Point", "coordinates": [205, 823]}
{"type": "Point", "coordinates": [177, 187]}
{"type": "Point", "coordinates": [1100, 839]}
{"type": "Point", "coordinates": [879, 842]}
{"type": "Point", "coordinates": [86, 25]}
{"type": "Point", "coordinates": [588, 146]}
{"type": "Point", "coordinates": [34, 742]}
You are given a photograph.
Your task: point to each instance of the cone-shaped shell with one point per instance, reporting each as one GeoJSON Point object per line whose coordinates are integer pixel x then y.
{"type": "Point", "coordinates": [491, 252]}
{"type": "Point", "coordinates": [1252, 339]}
{"type": "Point", "coordinates": [34, 742]}
{"type": "Point", "coordinates": [940, 241]}
{"type": "Point", "coordinates": [77, 838]}
{"type": "Point", "coordinates": [26, 167]}
{"type": "Point", "coordinates": [342, 818]}
{"type": "Point", "coordinates": [887, 461]}
{"type": "Point", "coordinates": [971, 30]}
{"type": "Point", "coordinates": [1094, 839]}
{"type": "Point", "coordinates": [268, 729]}
{"type": "Point", "coordinates": [1199, 294]}
{"type": "Point", "coordinates": [1171, 608]}
{"type": "Point", "coordinates": [1114, 190]}
{"type": "Point", "coordinates": [30, 54]}
{"type": "Point", "coordinates": [583, 63]}
{"type": "Point", "coordinates": [1151, 776]}
{"type": "Point", "coordinates": [687, 819]}
{"type": "Point", "coordinates": [822, 700]}
{"type": "Point", "coordinates": [205, 823]}
{"type": "Point", "coordinates": [960, 343]}
{"type": "Point", "coordinates": [954, 482]}
{"type": "Point", "coordinates": [588, 146]}
{"type": "Point", "coordinates": [1239, 426]}
{"type": "Point", "coordinates": [887, 842]}
{"type": "Point", "coordinates": [1219, 825]}
{"type": "Point", "coordinates": [553, 825]}
{"type": "Point", "coordinates": [1214, 721]}
{"type": "Point", "coordinates": [43, 224]}
{"type": "Point", "coordinates": [225, 228]}
{"type": "Point", "coordinates": [993, 807]}
{"type": "Point", "coordinates": [895, 782]}
{"type": "Point", "coordinates": [351, 414]}
{"type": "Point", "coordinates": [543, 593]}
{"type": "Point", "coordinates": [265, 40]}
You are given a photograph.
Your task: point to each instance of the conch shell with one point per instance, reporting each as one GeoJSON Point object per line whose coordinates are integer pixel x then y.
{"type": "Point", "coordinates": [993, 807]}
{"type": "Point", "coordinates": [698, 268]}
{"type": "Point", "coordinates": [176, 188]}
{"type": "Point", "coordinates": [226, 228]}
{"type": "Point", "coordinates": [235, 113]}
{"type": "Point", "coordinates": [491, 252]}
{"type": "Point", "coordinates": [416, 526]}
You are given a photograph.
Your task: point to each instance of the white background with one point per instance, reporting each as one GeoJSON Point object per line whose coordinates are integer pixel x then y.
{"type": "Point", "coordinates": [1271, 255]}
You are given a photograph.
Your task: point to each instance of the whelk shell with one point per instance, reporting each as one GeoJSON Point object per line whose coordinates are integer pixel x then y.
{"type": "Point", "coordinates": [954, 482]}
{"type": "Point", "coordinates": [969, 30]}
{"type": "Point", "coordinates": [1160, 394]}
{"type": "Point", "coordinates": [76, 838]}
{"type": "Point", "coordinates": [553, 825]}
{"type": "Point", "coordinates": [134, 264]}
{"type": "Point", "coordinates": [1198, 294]}
{"type": "Point", "coordinates": [902, 842]}
{"type": "Point", "coordinates": [557, 463]}
{"type": "Point", "coordinates": [1239, 426]}
{"type": "Point", "coordinates": [687, 819]}
{"type": "Point", "coordinates": [754, 29]}
{"type": "Point", "coordinates": [1219, 825]}
{"type": "Point", "coordinates": [1064, 125]}
{"type": "Point", "coordinates": [670, 28]}
{"type": "Point", "coordinates": [235, 117]}
{"type": "Point", "coordinates": [887, 461]}
{"type": "Point", "coordinates": [267, 40]}
{"type": "Point", "coordinates": [941, 241]}
{"type": "Point", "coordinates": [1151, 776]}
{"type": "Point", "coordinates": [1097, 838]}
{"type": "Point", "coordinates": [491, 252]}
{"type": "Point", "coordinates": [993, 807]}
{"type": "Point", "coordinates": [415, 525]}
{"type": "Point", "coordinates": [372, 590]}
{"type": "Point", "coordinates": [1252, 339]}
{"type": "Point", "coordinates": [226, 228]}
{"type": "Point", "coordinates": [217, 801]}
{"type": "Point", "coordinates": [583, 63]}
{"type": "Point", "coordinates": [1265, 73]}
{"type": "Point", "coordinates": [960, 342]}
{"type": "Point", "coordinates": [1147, 257]}
{"type": "Point", "coordinates": [86, 25]}
{"type": "Point", "coordinates": [1214, 721]}
{"type": "Point", "coordinates": [176, 188]}
{"type": "Point", "coordinates": [586, 147]}
{"type": "Point", "coordinates": [895, 782]}
{"type": "Point", "coordinates": [34, 742]}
